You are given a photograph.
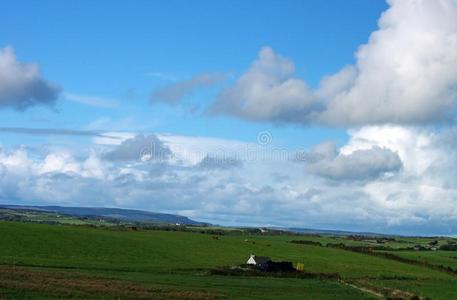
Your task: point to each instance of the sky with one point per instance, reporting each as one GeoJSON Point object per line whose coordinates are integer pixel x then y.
{"type": "Point", "coordinates": [314, 114]}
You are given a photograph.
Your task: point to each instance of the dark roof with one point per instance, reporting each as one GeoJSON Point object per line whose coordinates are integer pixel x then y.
{"type": "Point", "coordinates": [261, 259]}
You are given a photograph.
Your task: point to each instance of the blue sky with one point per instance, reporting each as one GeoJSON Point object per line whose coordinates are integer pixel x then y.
{"type": "Point", "coordinates": [113, 50]}
{"type": "Point", "coordinates": [327, 114]}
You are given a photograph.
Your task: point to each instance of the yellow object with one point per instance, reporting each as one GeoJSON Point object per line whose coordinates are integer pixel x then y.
{"type": "Point", "coordinates": [300, 267]}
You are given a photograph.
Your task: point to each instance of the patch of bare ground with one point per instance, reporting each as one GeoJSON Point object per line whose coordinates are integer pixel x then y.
{"type": "Point", "coordinates": [77, 285]}
{"type": "Point", "coordinates": [382, 292]}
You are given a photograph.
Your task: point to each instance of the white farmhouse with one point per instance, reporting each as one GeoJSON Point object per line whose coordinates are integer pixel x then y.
{"type": "Point", "coordinates": [259, 261]}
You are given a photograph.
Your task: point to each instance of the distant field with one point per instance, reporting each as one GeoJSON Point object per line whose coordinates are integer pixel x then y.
{"type": "Point", "coordinates": [168, 264]}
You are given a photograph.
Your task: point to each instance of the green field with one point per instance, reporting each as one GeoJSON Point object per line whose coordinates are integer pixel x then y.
{"type": "Point", "coordinates": [443, 258]}
{"type": "Point", "coordinates": [60, 261]}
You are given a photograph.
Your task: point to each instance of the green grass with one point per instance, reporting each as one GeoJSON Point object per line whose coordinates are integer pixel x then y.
{"type": "Point", "coordinates": [67, 246]}
{"type": "Point", "coordinates": [252, 287]}
{"type": "Point", "coordinates": [178, 260]}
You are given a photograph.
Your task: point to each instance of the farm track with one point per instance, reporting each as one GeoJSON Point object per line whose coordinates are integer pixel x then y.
{"type": "Point", "coordinates": [363, 289]}
{"type": "Point", "coordinates": [381, 293]}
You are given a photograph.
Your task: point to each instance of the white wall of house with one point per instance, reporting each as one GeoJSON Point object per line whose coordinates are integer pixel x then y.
{"type": "Point", "coordinates": [251, 260]}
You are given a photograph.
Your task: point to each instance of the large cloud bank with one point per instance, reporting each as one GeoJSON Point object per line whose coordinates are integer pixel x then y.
{"type": "Point", "coordinates": [385, 178]}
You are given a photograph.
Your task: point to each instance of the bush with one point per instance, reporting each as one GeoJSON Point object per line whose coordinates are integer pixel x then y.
{"type": "Point", "coordinates": [247, 271]}
{"type": "Point", "coordinates": [306, 242]}
{"type": "Point", "coordinates": [449, 247]}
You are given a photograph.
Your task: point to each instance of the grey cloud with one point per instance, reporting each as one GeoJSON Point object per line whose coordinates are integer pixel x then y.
{"type": "Point", "coordinates": [21, 84]}
{"type": "Point", "coordinates": [358, 165]}
{"type": "Point", "coordinates": [177, 91]}
{"type": "Point", "coordinates": [323, 151]}
{"type": "Point", "coordinates": [140, 148]}
{"type": "Point", "coordinates": [212, 161]}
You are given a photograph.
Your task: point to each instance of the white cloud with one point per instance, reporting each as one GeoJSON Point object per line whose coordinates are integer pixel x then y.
{"type": "Point", "coordinates": [415, 146]}
{"type": "Point", "coordinates": [21, 84]}
{"type": "Point", "coordinates": [423, 193]}
{"type": "Point", "coordinates": [191, 150]}
{"type": "Point", "coordinates": [405, 74]}
{"type": "Point", "coordinates": [59, 162]}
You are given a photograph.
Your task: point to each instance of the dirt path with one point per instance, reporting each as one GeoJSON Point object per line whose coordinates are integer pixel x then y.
{"type": "Point", "coordinates": [364, 289]}
{"type": "Point", "coordinates": [381, 292]}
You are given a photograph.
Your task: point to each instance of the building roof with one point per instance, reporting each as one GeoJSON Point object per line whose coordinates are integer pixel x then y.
{"type": "Point", "coordinates": [261, 259]}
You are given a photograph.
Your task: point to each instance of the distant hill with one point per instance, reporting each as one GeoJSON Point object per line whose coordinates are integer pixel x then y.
{"type": "Point", "coordinates": [114, 213]}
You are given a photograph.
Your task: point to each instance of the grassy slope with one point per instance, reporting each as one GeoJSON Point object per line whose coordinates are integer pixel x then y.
{"type": "Point", "coordinates": [169, 259]}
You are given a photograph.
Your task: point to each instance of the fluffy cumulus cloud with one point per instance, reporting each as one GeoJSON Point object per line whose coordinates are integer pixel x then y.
{"type": "Point", "coordinates": [268, 91]}
{"type": "Point", "coordinates": [418, 148]}
{"type": "Point", "coordinates": [176, 92]}
{"type": "Point", "coordinates": [21, 84]}
{"type": "Point", "coordinates": [417, 195]}
{"type": "Point", "coordinates": [405, 74]}
{"type": "Point", "coordinates": [422, 195]}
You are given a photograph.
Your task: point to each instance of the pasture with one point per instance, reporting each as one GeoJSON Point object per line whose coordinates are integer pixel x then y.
{"type": "Point", "coordinates": [106, 263]}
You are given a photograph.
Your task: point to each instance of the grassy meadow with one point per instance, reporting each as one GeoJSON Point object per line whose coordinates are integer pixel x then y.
{"type": "Point", "coordinates": [39, 261]}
